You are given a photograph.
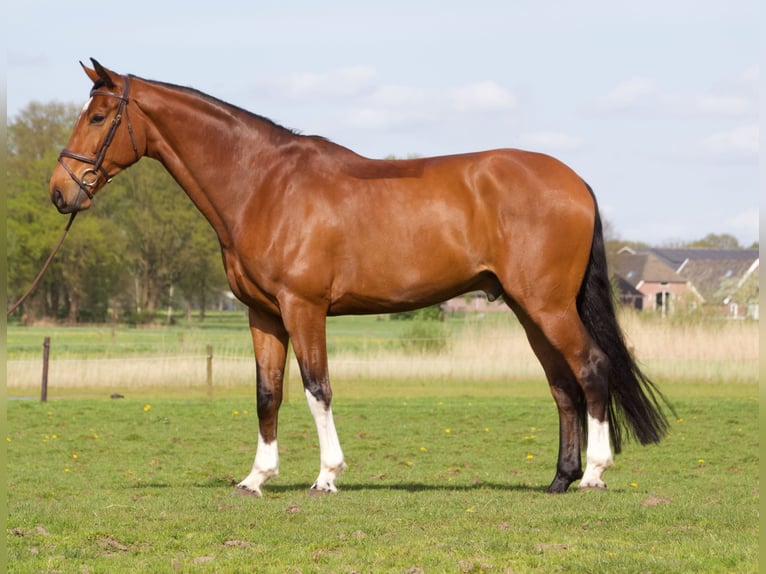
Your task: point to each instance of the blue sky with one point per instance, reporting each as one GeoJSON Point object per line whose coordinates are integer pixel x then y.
{"type": "Point", "coordinates": [654, 103]}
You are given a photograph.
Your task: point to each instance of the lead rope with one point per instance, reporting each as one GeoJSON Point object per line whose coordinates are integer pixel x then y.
{"type": "Point", "coordinates": [16, 305]}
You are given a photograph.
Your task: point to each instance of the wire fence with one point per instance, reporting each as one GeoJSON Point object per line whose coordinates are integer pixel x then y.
{"type": "Point", "coordinates": [727, 354]}
{"type": "Point", "coordinates": [350, 358]}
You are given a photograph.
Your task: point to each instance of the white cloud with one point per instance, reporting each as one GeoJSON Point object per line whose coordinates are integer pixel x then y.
{"type": "Point", "coordinates": [549, 141]}
{"type": "Point", "coordinates": [399, 96]}
{"type": "Point", "coordinates": [390, 106]}
{"type": "Point", "coordinates": [637, 92]}
{"type": "Point", "coordinates": [724, 105]}
{"type": "Point", "coordinates": [744, 223]}
{"type": "Point", "coordinates": [481, 97]}
{"type": "Point", "coordinates": [365, 102]}
{"type": "Point", "coordinates": [737, 97]}
{"type": "Point", "coordinates": [378, 118]}
{"type": "Point", "coordinates": [740, 143]}
{"type": "Point", "coordinates": [340, 83]}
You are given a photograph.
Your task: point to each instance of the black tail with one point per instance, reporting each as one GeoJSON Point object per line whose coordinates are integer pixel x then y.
{"type": "Point", "coordinates": [634, 400]}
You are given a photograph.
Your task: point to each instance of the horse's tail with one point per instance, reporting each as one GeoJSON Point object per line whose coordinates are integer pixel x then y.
{"type": "Point", "coordinates": [634, 401]}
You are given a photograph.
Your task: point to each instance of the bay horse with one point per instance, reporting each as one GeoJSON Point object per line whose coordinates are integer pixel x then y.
{"type": "Point", "coordinates": [309, 229]}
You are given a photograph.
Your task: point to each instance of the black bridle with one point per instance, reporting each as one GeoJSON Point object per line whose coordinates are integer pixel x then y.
{"type": "Point", "coordinates": [91, 176]}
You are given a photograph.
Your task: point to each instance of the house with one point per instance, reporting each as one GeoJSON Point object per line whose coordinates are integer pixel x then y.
{"type": "Point", "coordinates": [663, 278]}
{"type": "Point", "coordinates": [648, 282]}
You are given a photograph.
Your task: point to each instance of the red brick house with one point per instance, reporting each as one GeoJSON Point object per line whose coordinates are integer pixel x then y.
{"type": "Point", "coordinates": [663, 279]}
{"type": "Point", "coordinates": [647, 282]}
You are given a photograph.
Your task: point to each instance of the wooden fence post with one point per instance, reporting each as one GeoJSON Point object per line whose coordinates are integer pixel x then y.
{"type": "Point", "coordinates": [210, 370]}
{"type": "Point", "coordinates": [46, 356]}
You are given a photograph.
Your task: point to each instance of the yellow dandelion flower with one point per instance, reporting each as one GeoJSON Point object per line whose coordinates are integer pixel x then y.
{"type": "Point", "coordinates": [530, 457]}
{"type": "Point", "coordinates": [679, 420]}
{"type": "Point", "coordinates": [409, 463]}
{"type": "Point", "coordinates": [147, 408]}
{"type": "Point", "coordinates": [53, 436]}
{"type": "Point", "coordinates": [469, 510]}
{"type": "Point", "coordinates": [8, 439]}
{"type": "Point", "coordinates": [486, 429]}
{"type": "Point", "coordinates": [701, 461]}
{"type": "Point", "coordinates": [74, 456]}
{"type": "Point", "coordinates": [448, 431]}
{"type": "Point", "coordinates": [67, 470]}
{"type": "Point", "coordinates": [634, 485]}
{"type": "Point", "coordinates": [423, 449]}
{"type": "Point", "coordinates": [235, 412]}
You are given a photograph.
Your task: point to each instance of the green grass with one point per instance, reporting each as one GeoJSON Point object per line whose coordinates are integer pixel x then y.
{"type": "Point", "coordinates": [227, 332]}
{"type": "Point", "coordinates": [114, 486]}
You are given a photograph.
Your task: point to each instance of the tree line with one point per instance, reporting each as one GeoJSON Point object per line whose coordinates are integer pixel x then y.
{"type": "Point", "coordinates": [143, 247]}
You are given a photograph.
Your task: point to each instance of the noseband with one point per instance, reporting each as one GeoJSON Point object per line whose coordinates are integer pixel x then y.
{"type": "Point", "coordinates": [90, 176]}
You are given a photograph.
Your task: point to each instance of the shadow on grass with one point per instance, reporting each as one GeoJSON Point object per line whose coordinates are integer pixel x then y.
{"type": "Point", "coordinates": [298, 487]}
{"type": "Point", "coordinates": [400, 486]}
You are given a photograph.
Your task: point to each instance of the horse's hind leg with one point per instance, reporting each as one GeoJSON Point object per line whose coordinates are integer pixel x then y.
{"type": "Point", "coordinates": [270, 346]}
{"type": "Point", "coordinates": [569, 401]}
{"type": "Point", "coordinates": [589, 365]}
{"type": "Point", "coordinates": [306, 324]}
{"type": "Point", "coordinates": [558, 324]}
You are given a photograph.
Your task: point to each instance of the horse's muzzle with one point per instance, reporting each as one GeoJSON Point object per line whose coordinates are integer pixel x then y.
{"type": "Point", "coordinates": [79, 203]}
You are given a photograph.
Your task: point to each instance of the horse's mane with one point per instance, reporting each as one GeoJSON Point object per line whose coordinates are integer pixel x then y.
{"type": "Point", "coordinates": [219, 102]}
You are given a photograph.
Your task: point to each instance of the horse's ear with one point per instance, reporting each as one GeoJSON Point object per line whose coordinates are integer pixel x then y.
{"type": "Point", "coordinates": [99, 75]}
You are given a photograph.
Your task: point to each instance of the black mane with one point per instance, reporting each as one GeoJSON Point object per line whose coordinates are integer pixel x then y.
{"type": "Point", "coordinates": [220, 102]}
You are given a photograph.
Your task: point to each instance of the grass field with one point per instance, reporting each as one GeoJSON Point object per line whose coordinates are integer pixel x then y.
{"type": "Point", "coordinates": [449, 450]}
{"type": "Point", "coordinates": [434, 485]}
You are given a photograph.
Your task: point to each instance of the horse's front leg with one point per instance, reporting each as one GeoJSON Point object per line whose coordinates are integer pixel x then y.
{"type": "Point", "coordinates": [270, 346]}
{"type": "Point", "coordinates": [307, 330]}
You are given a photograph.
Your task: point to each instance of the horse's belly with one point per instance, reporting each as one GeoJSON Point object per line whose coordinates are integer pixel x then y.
{"type": "Point", "coordinates": [395, 292]}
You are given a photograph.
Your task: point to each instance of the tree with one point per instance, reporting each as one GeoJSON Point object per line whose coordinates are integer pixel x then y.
{"type": "Point", "coordinates": [169, 243]}
{"type": "Point", "coordinates": [201, 259]}
{"type": "Point", "coordinates": [142, 235]}
{"type": "Point", "coordinates": [34, 140]}
{"type": "Point", "coordinates": [716, 241]}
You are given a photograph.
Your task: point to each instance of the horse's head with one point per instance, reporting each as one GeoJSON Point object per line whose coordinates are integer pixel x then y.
{"type": "Point", "coordinates": [103, 143]}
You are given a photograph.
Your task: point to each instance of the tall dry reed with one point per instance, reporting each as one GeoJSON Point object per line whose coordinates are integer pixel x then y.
{"type": "Point", "coordinates": [718, 352]}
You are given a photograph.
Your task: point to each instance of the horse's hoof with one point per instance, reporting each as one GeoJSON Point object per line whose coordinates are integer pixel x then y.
{"type": "Point", "coordinates": [240, 490]}
{"type": "Point", "coordinates": [592, 487]}
{"type": "Point", "coordinates": [315, 492]}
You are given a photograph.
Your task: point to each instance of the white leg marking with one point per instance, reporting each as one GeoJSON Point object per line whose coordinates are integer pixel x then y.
{"type": "Point", "coordinates": [330, 453]}
{"type": "Point", "coordinates": [266, 466]}
{"type": "Point", "coordinates": [599, 454]}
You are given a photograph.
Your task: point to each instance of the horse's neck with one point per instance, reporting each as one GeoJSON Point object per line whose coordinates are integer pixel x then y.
{"type": "Point", "coordinates": [201, 143]}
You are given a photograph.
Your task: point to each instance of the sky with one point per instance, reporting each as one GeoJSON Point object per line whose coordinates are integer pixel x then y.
{"type": "Point", "coordinates": [654, 103]}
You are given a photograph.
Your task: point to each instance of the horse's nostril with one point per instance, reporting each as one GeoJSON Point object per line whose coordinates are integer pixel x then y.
{"type": "Point", "coordinates": [58, 198]}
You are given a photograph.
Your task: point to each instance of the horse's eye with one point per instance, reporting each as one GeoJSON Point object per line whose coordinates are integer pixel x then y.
{"type": "Point", "coordinates": [97, 119]}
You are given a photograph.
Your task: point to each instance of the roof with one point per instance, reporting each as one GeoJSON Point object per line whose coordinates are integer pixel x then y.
{"type": "Point", "coordinates": [635, 268]}
{"type": "Point", "coordinates": [714, 273]}
{"type": "Point", "coordinates": [677, 257]}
